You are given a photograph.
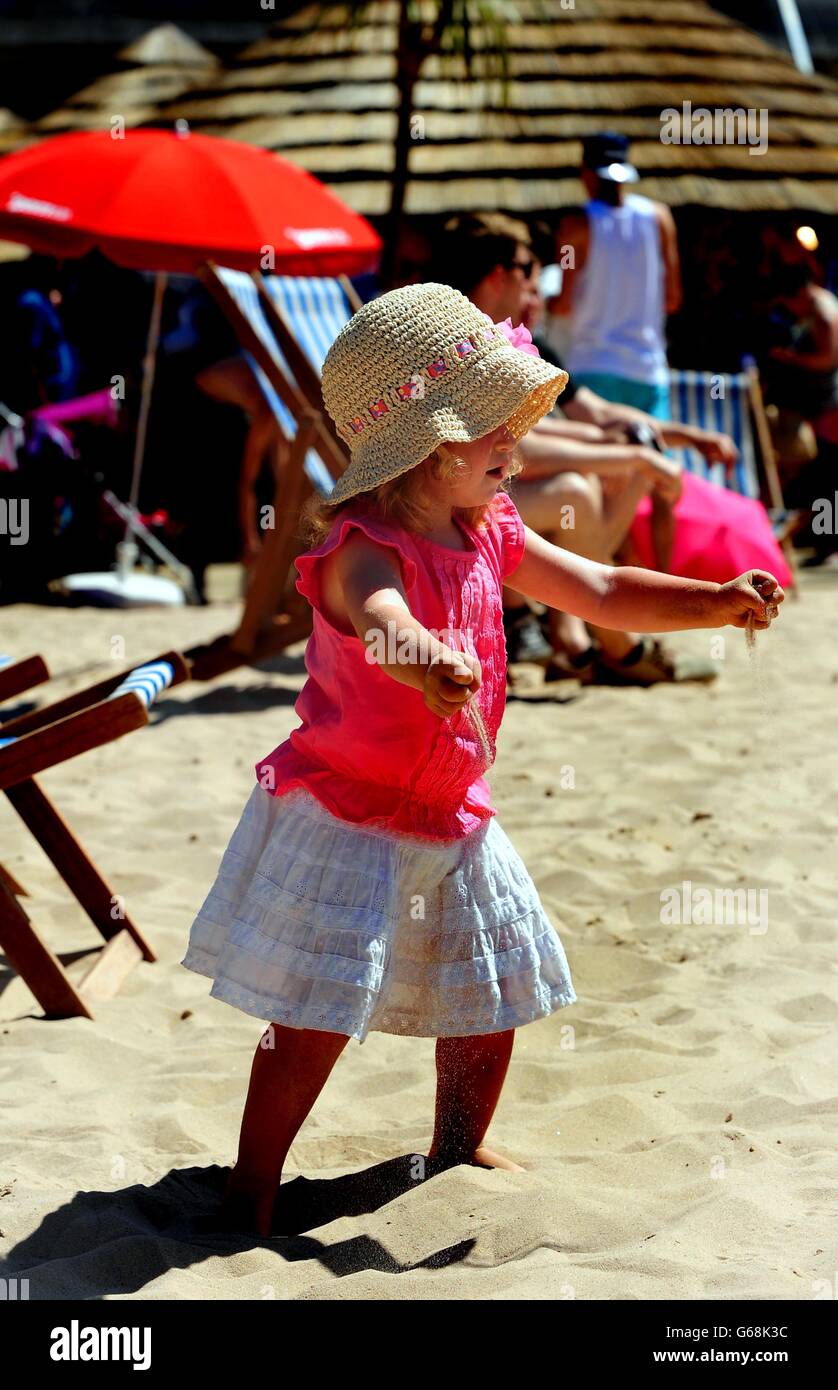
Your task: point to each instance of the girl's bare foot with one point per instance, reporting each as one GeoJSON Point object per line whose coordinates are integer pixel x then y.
{"type": "Point", "coordinates": [488, 1158]}
{"type": "Point", "coordinates": [482, 1157]}
{"type": "Point", "coordinates": [240, 1210]}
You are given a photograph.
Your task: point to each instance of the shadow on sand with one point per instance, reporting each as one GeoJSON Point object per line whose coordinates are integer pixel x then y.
{"type": "Point", "coordinates": [112, 1243]}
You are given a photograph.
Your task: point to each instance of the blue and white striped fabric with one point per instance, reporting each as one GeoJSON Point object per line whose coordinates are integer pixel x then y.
{"type": "Point", "coordinates": [146, 681]}
{"type": "Point", "coordinates": [315, 309]}
{"type": "Point", "coordinates": [716, 401]}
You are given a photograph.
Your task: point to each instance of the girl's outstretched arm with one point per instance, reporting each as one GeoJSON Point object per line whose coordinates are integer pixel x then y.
{"type": "Point", "coordinates": [631, 599]}
{"type": "Point", "coordinates": [377, 607]}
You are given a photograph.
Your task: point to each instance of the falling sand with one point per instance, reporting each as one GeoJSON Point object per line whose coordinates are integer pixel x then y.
{"type": "Point", "coordinates": [751, 636]}
{"type": "Point", "coordinates": [759, 674]}
{"type": "Point", "coordinates": [480, 728]}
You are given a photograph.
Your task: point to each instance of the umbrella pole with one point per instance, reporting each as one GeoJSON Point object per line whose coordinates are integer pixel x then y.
{"type": "Point", "coordinates": [127, 550]}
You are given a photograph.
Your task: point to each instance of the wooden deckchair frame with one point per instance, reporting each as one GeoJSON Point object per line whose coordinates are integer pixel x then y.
{"type": "Point", "coordinates": [771, 473]}
{"type": "Point", "coordinates": [43, 739]}
{"type": "Point", "coordinates": [274, 617]}
{"type": "Point", "coordinates": [22, 675]}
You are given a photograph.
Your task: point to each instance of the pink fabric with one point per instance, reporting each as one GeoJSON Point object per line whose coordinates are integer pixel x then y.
{"type": "Point", "coordinates": [517, 334]}
{"type": "Point", "coordinates": [718, 535]}
{"type": "Point", "coordinates": [368, 747]}
{"type": "Point", "coordinates": [99, 406]}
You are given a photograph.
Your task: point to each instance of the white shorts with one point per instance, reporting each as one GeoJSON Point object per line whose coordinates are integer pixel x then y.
{"type": "Point", "coordinates": [316, 923]}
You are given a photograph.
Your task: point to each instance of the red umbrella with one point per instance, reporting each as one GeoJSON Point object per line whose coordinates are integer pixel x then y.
{"type": "Point", "coordinates": [167, 200]}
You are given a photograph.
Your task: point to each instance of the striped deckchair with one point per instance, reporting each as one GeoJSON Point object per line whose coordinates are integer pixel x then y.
{"type": "Point", "coordinates": [285, 326]}
{"type": "Point", "coordinates": [315, 311]}
{"type": "Point", "coordinates": [721, 402]}
{"type": "Point", "coordinates": [30, 744]}
{"type": "Point", "coordinates": [732, 403]}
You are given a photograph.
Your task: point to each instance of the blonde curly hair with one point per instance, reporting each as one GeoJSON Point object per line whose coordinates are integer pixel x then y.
{"type": "Point", "coordinates": [402, 500]}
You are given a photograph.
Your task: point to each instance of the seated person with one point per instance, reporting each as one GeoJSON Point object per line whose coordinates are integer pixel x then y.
{"type": "Point", "coordinates": [581, 469]}
{"type": "Point", "coordinates": [801, 378]}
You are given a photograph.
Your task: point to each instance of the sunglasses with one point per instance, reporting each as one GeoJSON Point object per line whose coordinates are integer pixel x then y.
{"type": "Point", "coordinates": [526, 267]}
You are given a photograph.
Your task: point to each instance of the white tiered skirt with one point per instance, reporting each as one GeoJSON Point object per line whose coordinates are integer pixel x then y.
{"type": "Point", "coordinates": [316, 923]}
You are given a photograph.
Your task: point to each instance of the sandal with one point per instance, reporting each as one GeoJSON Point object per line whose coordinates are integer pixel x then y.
{"type": "Point", "coordinates": [525, 640]}
{"type": "Point", "coordinates": [651, 663]}
{"type": "Point", "coordinates": [564, 667]}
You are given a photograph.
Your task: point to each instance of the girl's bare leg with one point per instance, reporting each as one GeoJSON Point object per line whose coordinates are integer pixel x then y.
{"type": "Point", "coordinates": [285, 1081]}
{"type": "Point", "coordinates": [470, 1076]}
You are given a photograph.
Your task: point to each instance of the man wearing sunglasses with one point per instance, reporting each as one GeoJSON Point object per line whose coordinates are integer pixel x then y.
{"type": "Point", "coordinates": [585, 457]}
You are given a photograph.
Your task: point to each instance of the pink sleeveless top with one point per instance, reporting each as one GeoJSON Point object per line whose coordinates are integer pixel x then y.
{"type": "Point", "coordinates": [368, 746]}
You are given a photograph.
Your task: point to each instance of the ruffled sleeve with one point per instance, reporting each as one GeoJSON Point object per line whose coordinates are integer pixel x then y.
{"type": "Point", "coordinates": [511, 529]}
{"type": "Point", "coordinates": [310, 566]}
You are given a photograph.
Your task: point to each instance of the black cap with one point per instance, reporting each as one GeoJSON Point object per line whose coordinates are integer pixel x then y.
{"type": "Point", "coordinates": [606, 155]}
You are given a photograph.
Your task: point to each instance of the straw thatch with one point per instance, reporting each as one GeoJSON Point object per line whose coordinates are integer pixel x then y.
{"type": "Point", "coordinates": [325, 96]}
{"type": "Point", "coordinates": [14, 131]}
{"type": "Point", "coordinates": [157, 68]}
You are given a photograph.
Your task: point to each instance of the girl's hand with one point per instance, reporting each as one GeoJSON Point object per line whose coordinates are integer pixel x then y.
{"type": "Point", "coordinates": [450, 681]}
{"type": "Point", "coordinates": [755, 596]}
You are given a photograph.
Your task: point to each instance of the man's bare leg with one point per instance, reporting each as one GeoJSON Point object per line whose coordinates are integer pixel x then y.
{"type": "Point", "coordinates": [544, 498]}
{"type": "Point", "coordinates": [550, 507]}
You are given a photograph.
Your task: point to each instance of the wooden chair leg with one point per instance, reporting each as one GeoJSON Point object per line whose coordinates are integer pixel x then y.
{"type": "Point", "coordinates": [217, 658]}
{"type": "Point", "coordinates": [271, 569]}
{"type": "Point", "coordinates": [36, 964]}
{"type": "Point", "coordinates": [80, 875]}
{"type": "Point", "coordinates": [44, 748]}
{"type": "Point", "coordinates": [115, 960]}
{"type": "Point", "coordinates": [11, 883]}
{"type": "Point", "coordinates": [91, 695]}
{"type": "Point", "coordinates": [22, 675]}
{"type": "Point", "coordinates": [769, 464]}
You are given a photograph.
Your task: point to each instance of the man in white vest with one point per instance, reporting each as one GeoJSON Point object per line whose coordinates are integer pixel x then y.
{"type": "Point", "coordinates": [621, 279]}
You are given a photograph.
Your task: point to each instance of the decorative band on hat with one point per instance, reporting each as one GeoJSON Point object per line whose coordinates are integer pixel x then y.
{"type": "Point", "coordinates": [447, 361]}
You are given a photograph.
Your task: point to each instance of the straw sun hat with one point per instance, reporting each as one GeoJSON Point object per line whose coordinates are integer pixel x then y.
{"type": "Point", "coordinates": [420, 366]}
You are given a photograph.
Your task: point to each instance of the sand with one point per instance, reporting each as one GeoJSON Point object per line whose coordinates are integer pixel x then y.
{"type": "Point", "coordinates": [677, 1124]}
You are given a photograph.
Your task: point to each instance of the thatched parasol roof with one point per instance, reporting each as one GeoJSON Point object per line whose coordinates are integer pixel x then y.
{"type": "Point", "coordinates": [158, 67]}
{"type": "Point", "coordinates": [14, 131]}
{"type": "Point", "coordinates": [325, 96]}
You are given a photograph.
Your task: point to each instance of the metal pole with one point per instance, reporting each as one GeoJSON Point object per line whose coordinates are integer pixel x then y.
{"type": "Point", "coordinates": [127, 549]}
{"type": "Point", "coordinates": [796, 35]}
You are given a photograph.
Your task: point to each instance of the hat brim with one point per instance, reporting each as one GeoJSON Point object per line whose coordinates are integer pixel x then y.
{"type": "Point", "coordinates": [506, 386]}
{"type": "Point", "coordinates": [618, 172]}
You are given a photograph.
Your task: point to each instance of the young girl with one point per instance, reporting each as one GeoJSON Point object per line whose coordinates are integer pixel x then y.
{"type": "Point", "coordinates": [368, 885]}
